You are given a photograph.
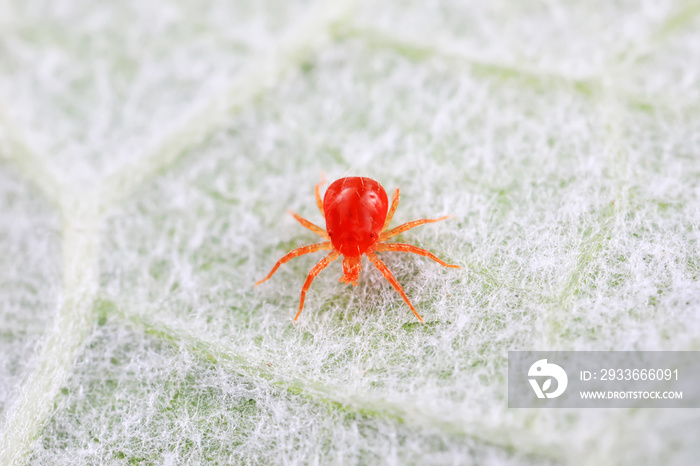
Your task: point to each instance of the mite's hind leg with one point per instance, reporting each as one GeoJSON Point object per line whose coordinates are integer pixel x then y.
{"type": "Point", "coordinates": [312, 274]}
{"type": "Point", "coordinates": [317, 192]}
{"type": "Point", "coordinates": [402, 247]}
{"type": "Point", "coordinates": [394, 205]}
{"type": "Point", "coordinates": [390, 277]}
{"type": "Point", "coordinates": [294, 253]}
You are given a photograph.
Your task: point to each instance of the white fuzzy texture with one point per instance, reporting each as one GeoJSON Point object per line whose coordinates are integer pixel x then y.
{"type": "Point", "coordinates": [149, 150]}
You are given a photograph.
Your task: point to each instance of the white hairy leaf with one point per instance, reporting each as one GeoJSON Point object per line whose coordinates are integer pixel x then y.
{"type": "Point", "coordinates": [149, 151]}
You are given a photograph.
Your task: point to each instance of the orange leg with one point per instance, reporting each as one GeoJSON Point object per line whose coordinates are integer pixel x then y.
{"type": "Point", "coordinates": [407, 226]}
{"type": "Point", "coordinates": [312, 274]}
{"type": "Point", "coordinates": [306, 224]}
{"type": "Point", "coordinates": [402, 247]}
{"type": "Point", "coordinates": [317, 191]}
{"type": "Point", "coordinates": [297, 252]}
{"type": "Point", "coordinates": [388, 275]}
{"type": "Point", "coordinates": [394, 205]}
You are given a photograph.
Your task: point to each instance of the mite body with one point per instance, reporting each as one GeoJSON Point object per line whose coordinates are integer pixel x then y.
{"type": "Point", "coordinates": [357, 214]}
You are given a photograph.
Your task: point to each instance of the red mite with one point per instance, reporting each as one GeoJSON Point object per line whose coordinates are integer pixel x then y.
{"type": "Point", "coordinates": [355, 209]}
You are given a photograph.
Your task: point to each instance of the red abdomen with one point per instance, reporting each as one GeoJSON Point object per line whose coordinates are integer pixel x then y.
{"type": "Point", "coordinates": [355, 210]}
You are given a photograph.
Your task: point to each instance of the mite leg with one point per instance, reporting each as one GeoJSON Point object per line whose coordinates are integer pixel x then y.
{"type": "Point", "coordinates": [407, 226]}
{"type": "Point", "coordinates": [312, 274]}
{"type": "Point", "coordinates": [402, 247]}
{"type": "Point", "coordinates": [388, 275]}
{"type": "Point", "coordinates": [317, 191]}
{"type": "Point", "coordinates": [394, 205]}
{"type": "Point", "coordinates": [294, 253]}
{"type": "Point", "coordinates": [306, 224]}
